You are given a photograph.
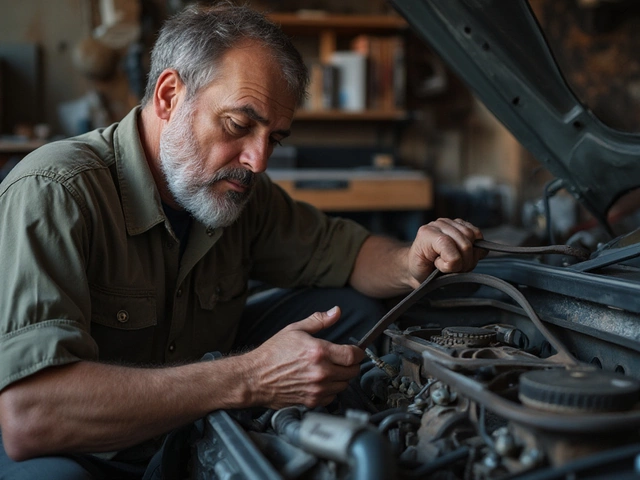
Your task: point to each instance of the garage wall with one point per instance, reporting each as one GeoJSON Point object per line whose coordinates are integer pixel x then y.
{"type": "Point", "coordinates": [54, 27]}
{"type": "Point", "coordinates": [453, 137]}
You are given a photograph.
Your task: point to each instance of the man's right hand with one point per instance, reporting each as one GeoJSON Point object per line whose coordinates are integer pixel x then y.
{"type": "Point", "coordinates": [293, 367]}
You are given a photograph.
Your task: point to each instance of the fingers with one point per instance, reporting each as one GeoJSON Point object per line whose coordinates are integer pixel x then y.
{"type": "Point", "coordinates": [344, 355]}
{"type": "Point", "coordinates": [456, 245]}
{"type": "Point", "coordinates": [478, 253]}
{"type": "Point", "coordinates": [317, 321]}
{"type": "Point", "coordinates": [448, 244]}
{"type": "Point", "coordinates": [470, 230]}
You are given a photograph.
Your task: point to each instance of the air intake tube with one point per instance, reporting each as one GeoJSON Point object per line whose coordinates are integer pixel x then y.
{"type": "Point", "coordinates": [340, 439]}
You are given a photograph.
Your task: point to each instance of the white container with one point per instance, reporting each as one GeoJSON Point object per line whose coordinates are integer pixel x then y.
{"type": "Point", "coordinates": [352, 79]}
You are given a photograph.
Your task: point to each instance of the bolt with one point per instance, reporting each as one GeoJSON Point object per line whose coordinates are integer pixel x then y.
{"type": "Point", "coordinates": [406, 381]}
{"type": "Point", "coordinates": [413, 389]}
{"type": "Point", "coordinates": [492, 460]}
{"type": "Point", "coordinates": [440, 396]}
{"type": "Point", "coordinates": [530, 458]}
{"type": "Point", "coordinates": [504, 443]}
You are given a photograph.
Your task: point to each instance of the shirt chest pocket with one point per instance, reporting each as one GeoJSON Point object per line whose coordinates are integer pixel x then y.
{"type": "Point", "coordinates": [129, 309]}
{"type": "Point", "coordinates": [121, 321]}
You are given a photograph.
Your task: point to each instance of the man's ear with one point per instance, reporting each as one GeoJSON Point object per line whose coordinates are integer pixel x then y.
{"type": "Point", "coordinates": [169, 88]}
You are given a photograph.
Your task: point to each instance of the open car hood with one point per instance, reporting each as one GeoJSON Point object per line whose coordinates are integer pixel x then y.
{"type": "Point", "coordinates": [498, 49]}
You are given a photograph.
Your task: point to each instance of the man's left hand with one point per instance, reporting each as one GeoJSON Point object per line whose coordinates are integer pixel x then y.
{"type": "Point", "coordinates": [446, 244]}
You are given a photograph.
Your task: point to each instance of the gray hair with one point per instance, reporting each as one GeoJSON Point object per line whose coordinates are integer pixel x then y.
{"type": "Point", "coordinates": [193, 42]}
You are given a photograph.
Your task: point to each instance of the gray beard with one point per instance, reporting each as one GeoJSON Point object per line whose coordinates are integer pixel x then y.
{"type": "Point", "coordinates": [183, 169]}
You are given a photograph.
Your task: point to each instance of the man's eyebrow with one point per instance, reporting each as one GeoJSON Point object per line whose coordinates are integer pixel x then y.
{"type": "Point", "coordinates": [253, 115]}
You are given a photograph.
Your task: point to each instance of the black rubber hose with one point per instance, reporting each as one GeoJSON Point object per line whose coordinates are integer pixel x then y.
{"type": "Point", "coordinates": [376, 418]}
{"type": "Point", "coordinates": [403, 417]}
{"type": "Point", "coordinates": [287, 423]}
{"type": "Point", "coordinates": [437, 464]}
{"type": "Point", "coordinates": [371, 457]}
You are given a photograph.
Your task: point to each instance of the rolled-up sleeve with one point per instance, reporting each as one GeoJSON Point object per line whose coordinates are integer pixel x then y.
{"type": "Point", "coordinates": [44, 294]}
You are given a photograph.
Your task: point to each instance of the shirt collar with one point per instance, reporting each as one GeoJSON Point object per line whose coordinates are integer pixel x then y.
{"type": "Point", "coordinates": [139, 194]}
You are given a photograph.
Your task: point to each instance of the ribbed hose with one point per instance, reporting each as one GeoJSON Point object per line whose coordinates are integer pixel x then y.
{"type": "Point", "coordinates": [286, 422]}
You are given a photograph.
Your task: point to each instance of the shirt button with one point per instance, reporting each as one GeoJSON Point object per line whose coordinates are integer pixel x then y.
{"type": "Point", "coordinates": [122, 316]}
{"type": "Point", "coordinates": [218, 289]}
{"type": "Point", "coordinates": [172, 347]}
{"type": "Point", "coordinates": [170, 244]}
{"type": "Point", "coordinates": [179, 293]}
{"type": "Point", "coordinates": [210, 231]}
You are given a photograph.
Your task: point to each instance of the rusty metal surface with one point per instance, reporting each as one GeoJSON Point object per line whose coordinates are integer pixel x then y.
{"type": "Point", "coordinates": [597, 51]}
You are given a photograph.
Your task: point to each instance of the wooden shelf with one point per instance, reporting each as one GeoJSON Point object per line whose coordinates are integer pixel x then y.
{"type": "Point", "coordinates": [343, 115]}
{"type": "Point", "coordinates": [312, 24]}
{"type": "Point", "coordinates": [27, 146]}
{"type": "Point", "coordinates": [357, 190]}
{"type": "Point", "coordinates": [348, 190]}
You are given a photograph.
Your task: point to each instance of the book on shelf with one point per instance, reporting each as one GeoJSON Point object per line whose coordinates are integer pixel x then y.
{"type": "Point", "coordinates": [386, 71]}
{"type": "Point", "coordinates": [330, 86]}
{"type": "Point", "coordinates": [370, 76]}
{"type": "Point", "coordinates": [314, 97]}
{"type": "Point", "coordinates": [352, 79]}
{"type": "Point", "coordinates": [323, 87]}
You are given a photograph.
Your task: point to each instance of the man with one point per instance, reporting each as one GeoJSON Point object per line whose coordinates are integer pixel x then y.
{"type": "Point", "coordinates": [126, 254]}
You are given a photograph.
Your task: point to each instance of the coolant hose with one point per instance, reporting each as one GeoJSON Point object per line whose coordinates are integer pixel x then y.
{"type": "Point", "coordinates": [370, 457]}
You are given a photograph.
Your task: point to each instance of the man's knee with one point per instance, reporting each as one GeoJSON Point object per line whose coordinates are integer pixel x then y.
{"type": "Point", "coordinates": [53, 468]}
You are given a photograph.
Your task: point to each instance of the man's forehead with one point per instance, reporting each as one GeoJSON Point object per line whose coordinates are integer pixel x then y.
{"type": "Point", "coordinates": [253, 69]}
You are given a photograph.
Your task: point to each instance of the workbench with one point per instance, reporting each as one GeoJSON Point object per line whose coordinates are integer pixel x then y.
{"type": "Point", "coordinates": [394, 201]}
{"type": "Point", "coordinates": [357, 190]}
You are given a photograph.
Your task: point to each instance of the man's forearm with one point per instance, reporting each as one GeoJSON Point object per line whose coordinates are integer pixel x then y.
{"type": "Point", "coordinates": [91, 407]}
{"type": "Point", "coordinates": [381, 268]}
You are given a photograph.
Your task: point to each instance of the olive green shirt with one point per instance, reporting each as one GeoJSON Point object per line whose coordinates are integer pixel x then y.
{"type": "Point", "coordinates": [91, 269]}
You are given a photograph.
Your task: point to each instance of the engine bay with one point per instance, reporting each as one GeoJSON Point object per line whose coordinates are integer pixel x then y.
{"type": "Point", "coordinates": [481, 379]}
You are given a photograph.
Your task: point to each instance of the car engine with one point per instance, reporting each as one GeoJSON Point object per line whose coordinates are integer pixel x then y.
{"type": "Point", "coordinates": [529, 376]}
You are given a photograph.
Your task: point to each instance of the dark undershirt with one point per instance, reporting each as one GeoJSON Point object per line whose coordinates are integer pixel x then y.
{"type": "Point", "coordinates": [180, 221]}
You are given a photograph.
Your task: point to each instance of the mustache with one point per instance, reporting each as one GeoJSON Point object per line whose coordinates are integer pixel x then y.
{"type": "Point", "coordinates": [239, 175]}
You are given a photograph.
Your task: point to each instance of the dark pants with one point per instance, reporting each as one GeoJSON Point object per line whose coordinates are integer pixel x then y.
{"type": "Point", "coordinates": [265, 314]}
{"type": "Point", "coordinates": [269, 312]}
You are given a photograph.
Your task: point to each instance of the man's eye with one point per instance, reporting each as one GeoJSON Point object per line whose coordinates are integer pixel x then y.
{"type": "Point", "coordinates": [275, 141]}
{"type": "Point", "coordinates": [236, 127]}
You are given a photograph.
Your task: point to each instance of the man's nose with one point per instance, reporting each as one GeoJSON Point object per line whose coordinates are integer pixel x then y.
{"type": "Point", "coordinates": [255, 155]}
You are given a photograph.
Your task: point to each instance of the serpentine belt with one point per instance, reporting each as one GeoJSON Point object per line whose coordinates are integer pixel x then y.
{"type": "Point", "coordinates": [407, 302]}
